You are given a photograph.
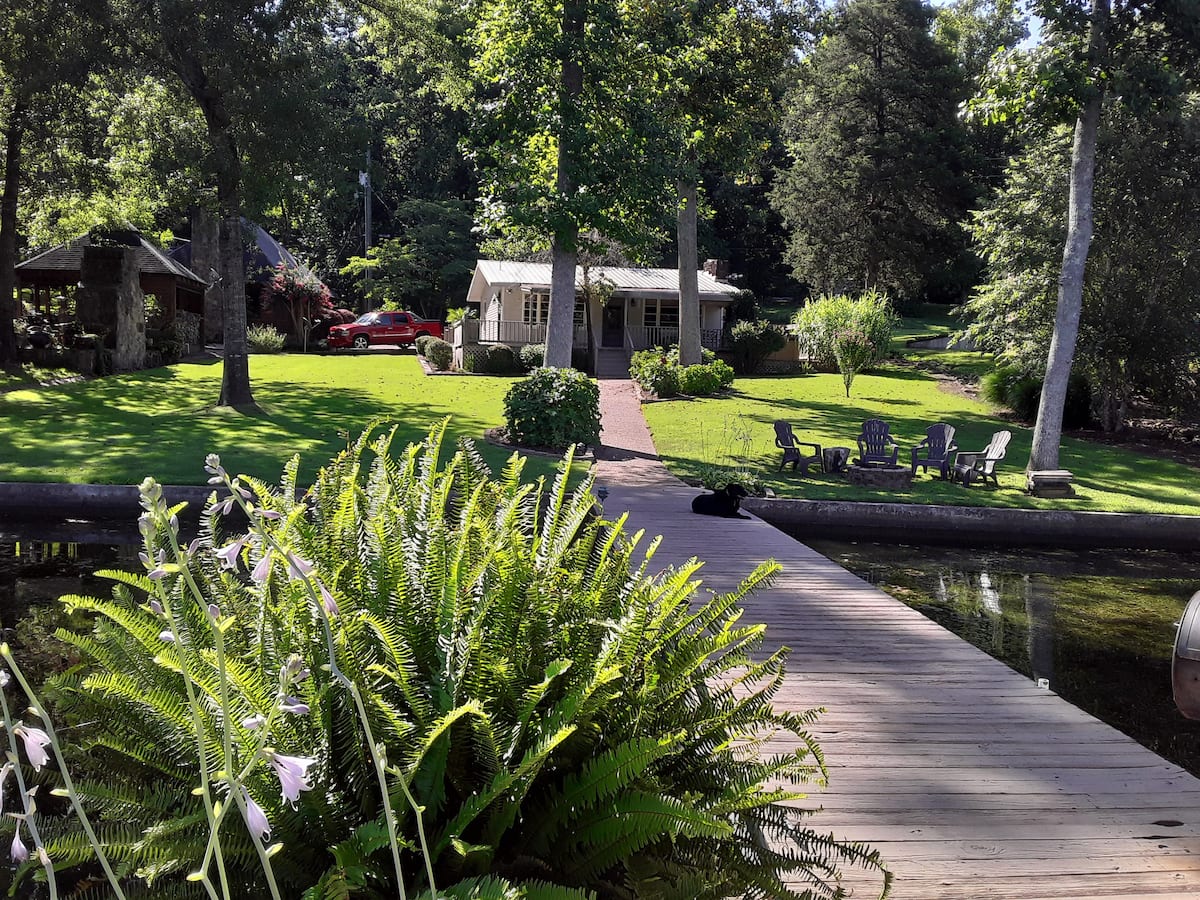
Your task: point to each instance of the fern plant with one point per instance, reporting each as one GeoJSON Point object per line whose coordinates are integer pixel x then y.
{"type": "Point", "coordinates": [499, 699]}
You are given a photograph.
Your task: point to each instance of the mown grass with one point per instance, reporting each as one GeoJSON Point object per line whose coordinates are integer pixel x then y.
{"type": "Point", "coordinates": [162, 422]}
{"type": "Point", "coordinates": [692, 433]}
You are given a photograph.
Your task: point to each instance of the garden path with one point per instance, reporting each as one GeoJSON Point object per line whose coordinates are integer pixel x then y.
{"type": "Point", "coordinates": [972, 782]}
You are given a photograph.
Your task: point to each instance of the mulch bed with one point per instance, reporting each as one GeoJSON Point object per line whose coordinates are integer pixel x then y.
{"type": "Point", "coordinates": [498, 437]}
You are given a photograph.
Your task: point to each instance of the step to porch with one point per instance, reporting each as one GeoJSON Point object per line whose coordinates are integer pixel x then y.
{"type": "Point", "coordinates": [612, 362]}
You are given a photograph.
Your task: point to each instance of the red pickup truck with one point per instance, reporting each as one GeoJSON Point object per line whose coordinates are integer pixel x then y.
{"type": "Point", "coordinates": [382, 327]}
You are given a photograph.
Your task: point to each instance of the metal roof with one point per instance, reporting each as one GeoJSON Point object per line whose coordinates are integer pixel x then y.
{"type": "Point", "coordinates": [66, 258]}
{"type": "Point", "coordinates": [492, 273]}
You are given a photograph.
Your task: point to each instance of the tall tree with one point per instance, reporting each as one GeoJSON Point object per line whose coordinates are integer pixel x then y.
{"type": "Point", "coordinates": [45, 47]}
{"type": "Point", "coordinates": [877, 185]}
{"type": "Point", "coordinates": [1141, 298]}
{"type": "Point", "coordinates": [1142, 46]}
{"type": "Point", "coordinates": [562, 134]}
{"type": "Point", "coordinates": [720, 64]}
{"type": "Point", "coordinates": [236, 60]}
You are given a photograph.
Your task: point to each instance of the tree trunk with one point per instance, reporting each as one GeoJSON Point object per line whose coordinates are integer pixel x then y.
{"type": "Point", "coordinates": [689, 289]}
{"type": "Point", "coordinates": [1047, 431]}
{"type": "Point", "coordinates": [560, 331]}
{"type": "Point", "coordinates": [235, 375]}
{"type": "Point", "coordinates": [8, 230]}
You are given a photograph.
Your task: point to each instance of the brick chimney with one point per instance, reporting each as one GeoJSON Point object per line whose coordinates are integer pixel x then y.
{"type": "Point", "coordinates": [717, 268]}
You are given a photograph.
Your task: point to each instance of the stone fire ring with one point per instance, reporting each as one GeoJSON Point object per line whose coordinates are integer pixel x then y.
{"type": "Point", "coordinates": [892, 478]}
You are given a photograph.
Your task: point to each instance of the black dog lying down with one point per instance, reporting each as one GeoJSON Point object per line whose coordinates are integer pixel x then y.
{"type": "Point", "coordinates": [724, 502]}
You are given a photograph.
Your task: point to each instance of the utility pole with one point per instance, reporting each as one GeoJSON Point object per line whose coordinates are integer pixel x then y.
{"type": "Point", "coordinates": [364, 179]}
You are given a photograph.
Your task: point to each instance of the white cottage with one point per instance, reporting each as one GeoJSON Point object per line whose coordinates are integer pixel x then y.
{"type": "Point", "coordinates": [642, 310]}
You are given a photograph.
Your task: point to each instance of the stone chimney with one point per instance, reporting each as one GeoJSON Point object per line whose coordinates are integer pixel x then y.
{"type": "Point", "coordinates": [110, 301]}
{"type": "Point", "coordinates": [717, 268]}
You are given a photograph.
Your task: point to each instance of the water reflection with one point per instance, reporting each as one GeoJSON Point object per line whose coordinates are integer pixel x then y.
{"type": "Point", "coordinates": [39, 572]}
{"type": "Point", "coordinates": [1099, 626]}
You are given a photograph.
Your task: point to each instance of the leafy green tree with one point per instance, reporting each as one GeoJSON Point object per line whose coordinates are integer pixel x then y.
{"type": "Point", "coordinates": [719, 64]}
{"type": "Point", "coordinates": [241, 63]}
{"type": "Point", "coordinates": [876, 186]}
{"type": "Point", "coordinates": [45, 47]}
{"type": "Point", "coordinates": [428, 265]}
{"type": "Point", "coordinates": [1143, 47]}
{"type": "Point", "coordinates": [975, 30]}
{"type": "Point", "coordinates": [563, 134]}
{"type": "Point", "coordinates": [1138, 333]}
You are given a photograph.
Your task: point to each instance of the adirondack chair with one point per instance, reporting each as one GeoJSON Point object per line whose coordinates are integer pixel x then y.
{"type": "Point", "coordinates": [785, 439]}
{"type": "Point", "coordinates": [981, 465]}
{"type": "Point", "coordinates": [937, 449]}
{"type": "Point", "coordinates": [875, 445]}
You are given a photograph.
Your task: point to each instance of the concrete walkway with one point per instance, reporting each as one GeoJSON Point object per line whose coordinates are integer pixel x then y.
{"type": "Point", "coordinates": [971, 781]}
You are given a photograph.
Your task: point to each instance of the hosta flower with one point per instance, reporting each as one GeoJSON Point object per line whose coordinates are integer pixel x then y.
{"type": "Point", "coordinates": [224, 507]}
{"type": "Point", "coordinates": [5, 678]}
{"type": "Point", "coordinates": [36, 742]}
{"type": "Point", "coordinates": [298, 567]}
{"type": "Point", "coordinates": [294, 705]}
{"type": "Point", "coordinates": [166, 637]}
{"type": "Point", "coordinates": [214, 611]}
{"type": "Point", "coordinates": [293, 775]}
{"type": "Point", "coordinates": [228, 555]}
{"type": "Point", "coordinates": [330, 605]}
{"type": "Point", "coordinates": [156, 607]}
{"type": "Point", "coordinates": [256, 819]}
{"type": "Point", "coordinates": [254, 722]}
{"type": "Point", "coordinates": [263, 569]}
{"type": "Point", "coordinates": [268, 514]}
{"type": "Point", "coordinates": [19, 851]}
{"type": "Point", "coordinates": [212, 465]}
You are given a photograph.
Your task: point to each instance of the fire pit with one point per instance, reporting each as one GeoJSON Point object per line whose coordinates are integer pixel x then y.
{"type": "Point", "coordinates": [891, 478]}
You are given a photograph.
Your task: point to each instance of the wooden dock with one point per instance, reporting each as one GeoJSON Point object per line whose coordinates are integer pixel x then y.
{"type": "Point", "coordinates": [972, 781]}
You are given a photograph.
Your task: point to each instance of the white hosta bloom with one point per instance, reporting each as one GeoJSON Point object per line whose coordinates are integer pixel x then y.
{"type": "Point", "coordinates": [19, 852]}
{"type": "Point", "coordinates": [36, 742]}
{"type": "Point", "coordinates": [256, 819]}
{"type": "Point", "coordinates": [293, 775]}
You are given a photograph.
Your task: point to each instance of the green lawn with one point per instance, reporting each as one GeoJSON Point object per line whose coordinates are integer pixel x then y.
{"type": "Point", "coordinates": [927, 320]}
{"type": "Point", "coordinates": [161, 422]}
{"type": "Point", "coordinates": [691, 433]}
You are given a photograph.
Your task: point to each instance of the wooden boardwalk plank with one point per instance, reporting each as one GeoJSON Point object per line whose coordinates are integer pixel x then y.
{"type": "Point", "coordinates": [973, 783]}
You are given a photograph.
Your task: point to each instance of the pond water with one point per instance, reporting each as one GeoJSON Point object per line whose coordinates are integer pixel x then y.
{"type": "Point", "coordinates": [1098, 625]}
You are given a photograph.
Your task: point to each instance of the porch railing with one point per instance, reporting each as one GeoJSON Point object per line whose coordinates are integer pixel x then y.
{"type": "Point", "coordinates": [640, 337]}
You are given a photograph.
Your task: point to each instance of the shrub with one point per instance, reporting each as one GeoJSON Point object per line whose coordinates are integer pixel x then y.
{"type": "Point", "coordinates": [264, 339]}
{"type": "Point", "coordinates": [1012, 387]}
{"type": "Point", "coordinates": [715, 477]}
{"type": "Point", "coordinates": [752, 342]}
{"type": "Point", "coordinates": [502, 360]}
{"type": "Point", "coordinates": [456, 315]}
{"type": "Point", "coordinates": [818, 321]}
{"type": "Point", "coordinates": [700, 381]}
{"type": "Point", "coordinates": [655, 371]}
{"type": "Point", "coordinates": [420, 343]}
{"type": "Point", "coordinates": [439, 354]}
{"type": "Point", "coordinates": [533, 356]}
{"type": "Point", "coordinates": [417, 634]}
{"type": "Point", "coordinates": [554, 408]}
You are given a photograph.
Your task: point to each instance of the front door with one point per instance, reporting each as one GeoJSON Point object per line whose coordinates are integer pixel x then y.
{"type": "Point", "coordinates": [613, 331]}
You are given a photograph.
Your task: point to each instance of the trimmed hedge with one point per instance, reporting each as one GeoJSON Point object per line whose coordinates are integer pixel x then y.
{"type": "Point", "coordinates": [440, 354]}
{"type": "Point", "coordinates": [659, 372]}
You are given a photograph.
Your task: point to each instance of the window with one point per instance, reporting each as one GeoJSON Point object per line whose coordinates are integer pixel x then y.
{"type": "Point", "coordinates": [536, 308]}
{"type": "Point", "coordinates": [579, 321]}
{"type": "Point", "coordinates": [660, 313]}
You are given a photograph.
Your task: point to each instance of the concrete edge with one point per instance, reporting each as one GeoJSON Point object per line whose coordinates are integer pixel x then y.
{"type": "Point", "coordinates": [37, 500]}
{"type": "Point", "coordinates": [977, 525]}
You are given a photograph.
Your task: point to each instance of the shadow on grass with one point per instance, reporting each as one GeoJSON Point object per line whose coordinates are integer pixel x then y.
{"type": "Point", "coordinates": [156, 422]}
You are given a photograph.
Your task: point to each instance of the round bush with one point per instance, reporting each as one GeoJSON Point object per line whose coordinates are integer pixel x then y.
{"type": "Point", "coordinates": [700, 381]}
{"type": "Point", "coordinates": [439, 353]}
{"type": "Point", "coordinates": [501, 360]}
{"type": "Point", "coordinates": [820, 320]}
{"type": "Point", "coordinates": [554, 408]}
{"type": "Point", "coordinates": [533, 356]}
{"type": "Point", "coordinates": [264, 339]}
{"type": "Point", "coordinates": [421, 343]}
